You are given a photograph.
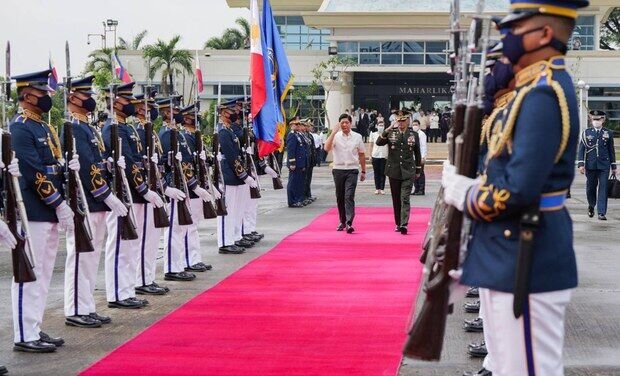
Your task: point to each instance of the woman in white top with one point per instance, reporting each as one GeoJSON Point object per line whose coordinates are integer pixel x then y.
{"type": "Point", "coordinates": [379, 157]}
{"type": "Point", "coordinates": [434, 125]}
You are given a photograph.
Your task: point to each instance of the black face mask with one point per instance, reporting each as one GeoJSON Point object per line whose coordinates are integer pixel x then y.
{"type": "Point", "coordinates": [178, 118]}
{"type": "Point", "coordinates": [89, 104]}
{"type": "Point", "coordinates": [514, 48]}
{"type": "Point", "coordinates": [233, 118]}
{"type": "Point", "coordinates": [154, 113]}
{"type": "Point", "coordinates": [129, 109]}
{"type": "Point", "coordinates": [44, 103]}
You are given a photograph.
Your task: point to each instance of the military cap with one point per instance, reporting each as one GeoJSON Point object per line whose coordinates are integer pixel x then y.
{"type": "Point", "coordinates": [139, 98]}
{"type": "Point", "coordinates": [230, 105]}
{"type": "Point", "coordinates": [597, 113]}
{"type": "Point", "coordinates": [522, 9]}
{"type": "Point", "coordinates": [294, 122]}
{"type": "Point", "coordinates": [125, 91]}
{"type": "Point", "coordinates": [307, 121]}
{"type": "Point", "coordinates": [494, 53]}
{"type": "Point", "coordinates": [189, 110]}
{"type": "Point", "coordinates": [402, 114]}
{"type": "Point", "coordinates": [36, 80]}
{"type": "Point", "coordinates": [165, 102]}
{"type": "Point", "coordinates": [83, 85]}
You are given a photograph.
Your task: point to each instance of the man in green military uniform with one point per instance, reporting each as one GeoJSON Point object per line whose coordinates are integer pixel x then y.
{"type": "Point", "coordinates": [404, 162]}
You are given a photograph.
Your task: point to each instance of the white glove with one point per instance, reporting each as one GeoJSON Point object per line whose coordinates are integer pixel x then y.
{"type": "Point", "coordinates": [203, 155]}
{"type": "Point", "coordinates": [203, 194]}
{"type": "Point", "coordinates": [178, 156]}
{"type": "Point", "coordinates": [250, 150]}
{"type": "Point", "coordinates": [219, 157]}
{"type": "Point", "coordinates": [6, 237]}
{"type": "Point", "coordinates": [74, 163]}
{"type": "Point", "coordinates": [155, 158]}
{"type": "Point", "coordinates": [154, 199]}
{"type": "Point", "coordinates": [271, 172]}
{"type": "Point", "coordinates": [14, 168]}
{"type": "Point", "coordinates": [65, 216]}
{"type": "Point", "coordinates": [216, 193]}
{"type": "Point", "coordinates": [121, 162]}
{"type": "Point", "coordinates": [118, 208]}
{"type": "Point", "coordinates": [457, 290]}
{"type": "Point", "coordinates": [455, 186]}
{"type": "Point", "coordinates": [175, 194]}
{"type": "Point", "coordinates": [251, 182]}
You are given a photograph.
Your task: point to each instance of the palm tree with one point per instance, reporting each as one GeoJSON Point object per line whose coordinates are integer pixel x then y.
{"type": "Point", "coordinates": [99, 60]}
{"type": "Point", "coordinates": [171, 61]}
{"type": "Point", "coordinates": [245, 33]}
{"type": "Point", "coordinates": [137, 40]}
{"type": "Point", "coordinates": [232, 39]}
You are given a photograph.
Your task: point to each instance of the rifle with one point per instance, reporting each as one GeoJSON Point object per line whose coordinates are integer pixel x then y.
{"type": "Point", "coordinates": [160, 215]}
{"type": "Point", "coordinates": [277, 182]}
{"type": "Point", "coordinates": [220, 204]}
{"type": "Point", "coordinates": [12, 202]}
{"type": "Point", "coordinates": [250, 166]}
{"type": "Point", "coordinates": [204, 180]}
{"type": "Point", "coordinates": [74, 193]}
{"type": "Point", "coordinates": [427, 333]}
{"type": "Point", "coordinates": [178, 177]}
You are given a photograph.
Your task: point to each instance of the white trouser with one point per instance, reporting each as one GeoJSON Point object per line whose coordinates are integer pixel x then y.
{"type": "Point", "coordinates": [229, 226]}
{"type": "Point", "coordinates": [81, 269]}
{"type": "Point", "coordinates": [174, 237]}
{"type": "Point", "coordinates": [249, 216]}
{"type": "Point", "coordinates": [121, 258]}
{"type": "Point", "coordinates": [487, 363]}
{"type": "Point", "coordinates": [149, 245]}
{"type": "Point", "coordinates": [531, 345]}
{"type": "Point", "coordinates": [29, 298]}
{"type": "Point", "coordinates": [192, 254]}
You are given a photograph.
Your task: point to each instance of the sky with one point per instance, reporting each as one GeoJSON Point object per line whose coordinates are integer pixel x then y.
{"type": "Point", "coordinates": [37, 28]}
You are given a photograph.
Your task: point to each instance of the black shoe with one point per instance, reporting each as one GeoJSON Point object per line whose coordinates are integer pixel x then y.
{"type": "Point", "coordinates": [296, 205]}
{"type": "Point", "coordinates": [602, 217]}
{"type": "Point", "coordinates": [207, 266]}
{"type": "Point", "coordinates": [37, 346]}
{"type": "Point", "coordinates": [590, 211]}
{"type": "Point", "coordinates": [350, 229]}
{"type": "Point", "coordinates": [257, 234]}
{"type": "Point", "coordinates": [180, 276]}
{"type": "Point", "coordinates": [3, 370]}
{"type": "Point", "coordinates": [196, 268]}
{"type": "Point", "coordinates": [474, 325]}
{"type": "Point", "coordinates": [482, 372]}
{"type": "Point", "coordinates": [104, 319]}
{"type": "Point", "coordinates": [397, 229]}
{"type": "Point", "coordinates": [56, 341]}
{"type": "Point", "coordinates": [340, 227]}
{"type": "Point", "coordinates": [307, 202]}
{"type": "Point", "coordinates": [144, 302]}
{"type": "Point", "coordinates": [414, 193]}
{"type": "Point", "coordinates": [472, 293]}
{"type": "Point", "coordinates": [231, 249]}
{"type": "Point", "coordinates": [472, 307]}
{"type": "Point", "coordinates": [313, 198]}
{"type": "Point", "coordinates": [125, 304]}
{"type": "Point", "coordinates": [419, 193]}
{"type": "Point", "coordinates": [252, 238]}
{"type": "Point", "coordinates": [150, 290]}
{"type": "Point", "coordinates": [244, 243]}
{"type": "Point", "coordinates": [403, 230]}
{"type": "Point", "coordinates": [161, 287]}
{"type": "Point", "coordinates": [82, 321]}
{"type": "Point", "coordinates": [477, 350]}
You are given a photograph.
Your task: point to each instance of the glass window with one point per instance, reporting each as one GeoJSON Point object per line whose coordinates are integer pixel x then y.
{"type": "Point", "coordinates": [583, 34]}
{"type": "Point", "coordinates": [295, 20]}
{"type": "Point", "coordinates": [412, 46]}
{"type": "Point", "coordinates": [416, 59]}
{"type": "Point", "coordinates": [391, 46]}
{"type": "Point", "coordinates": [369, 58]}
{"type": "Point", "coordinates": [292, 38]}
{"type": "Point", "coordinates": [433, 59]}
{"type": "Point", "coordinates": [353, 57]}
{"type": "Point", "coordinates": [280, 20]}
{"type": "Point", "coordinates": [391, 59]}
{"type": "Point", "coordinates": [293, 29]}
{"type": "Point", "coordinates": [347, 47]}
{"type": "Point", "coordinates": [369, 46]}
{"type": "Point", "coordinates": [435, 46]}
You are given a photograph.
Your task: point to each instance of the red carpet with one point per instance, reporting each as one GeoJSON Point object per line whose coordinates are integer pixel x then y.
{"type": "Point", "coordinates": [320, 303]}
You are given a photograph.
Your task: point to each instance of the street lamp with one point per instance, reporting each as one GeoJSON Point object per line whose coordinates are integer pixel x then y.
{"type": "Point", "coordinates": [581, 85]}
{"type": "Point", "coordinates": [111, 26]}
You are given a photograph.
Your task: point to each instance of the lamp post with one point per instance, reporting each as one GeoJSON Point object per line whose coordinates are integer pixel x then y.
{"type": "Point", "coordinates": [581, 85]}
{"type": "Point", "coordinates": [111, 27]}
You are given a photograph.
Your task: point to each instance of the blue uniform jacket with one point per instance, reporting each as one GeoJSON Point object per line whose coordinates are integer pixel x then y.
{"type": "Point", "coordinates": [531, 155]}
{"type": "Point", "coordinates": [41, 181]}
{"type": "Point", "coordinates": [296, 150]}
{"type": "Point", "coordinates": [187, 158]}
{"type": "Point", "coordinates": [232, 166]}
{"type": "Point", "coordinates": [596, 149]}
{"type": "Point", "coordinates": [93, 167]}
{"type": "Point", "coordinates": [131, 149]}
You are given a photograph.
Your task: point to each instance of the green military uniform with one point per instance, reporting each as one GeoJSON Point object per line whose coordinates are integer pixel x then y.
{"type": "Point", "coordinates": [404, 161]}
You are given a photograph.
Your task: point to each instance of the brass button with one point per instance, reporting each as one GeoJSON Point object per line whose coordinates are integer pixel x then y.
{"type": "Point", "coordinates": [507, 233]}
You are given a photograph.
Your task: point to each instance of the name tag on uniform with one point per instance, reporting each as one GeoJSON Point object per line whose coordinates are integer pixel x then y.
{"type": "Point", "coordinates": [605, 134]}
{"type": "Point", "coordinates": [42, 140]}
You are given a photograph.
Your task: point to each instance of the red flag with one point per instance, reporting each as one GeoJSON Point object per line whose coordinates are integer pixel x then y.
{"type": "Point", "coordinates": [257, 67]}
{"type": "Point", "coordinates": [121, 72]}
{"type": "Point", "coordinates": [199, 83]}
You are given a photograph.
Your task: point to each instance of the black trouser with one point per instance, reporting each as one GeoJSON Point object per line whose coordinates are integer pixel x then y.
{"type": "Point", "coordinates": [378, 166]}
{"type": "Point", "coordinates": [433, 135]}
{"type": "Point", "coordinates": [444, 134]}
{"type": "Point", "coordinates": [346, 182]}
{"type": "Point", "coordinates": [308, 182]}
{"type": "Point", "coordinates": [401, 189]}
{"type": "Point", "coordinates": [419, 183]}
{"type": "Point", "coordinates": [319, 156]}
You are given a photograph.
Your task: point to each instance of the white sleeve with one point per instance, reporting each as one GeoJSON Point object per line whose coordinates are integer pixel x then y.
{"type": "Point", "coordinates": [361, 148]}
{"type": "Point", "coordinates": [423, 148]}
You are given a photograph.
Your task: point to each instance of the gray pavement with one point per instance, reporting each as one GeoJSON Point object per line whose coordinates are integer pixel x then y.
{"type": "Point", "coordinates": [593, 327]}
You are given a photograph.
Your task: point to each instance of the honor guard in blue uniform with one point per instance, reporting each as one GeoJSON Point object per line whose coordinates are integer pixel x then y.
{"type": "Point", "coordinates": [37, 147]}
{"type": "Point", "coordinates": [297, 163]}
{"type": "Point", "coordinates": [176, 234]}
{"type": "Point", "coordinates": [81, 268]}
{"type": "Point", "coordinates": [517, 205]}
{"type": "Point", "coordinates": [596, 157]}
{"type": "Point", "coordinates": [311, 152]}
{"type": "Point", "coordinates": [121, 259]}
{"type": "Point", "coordinates": [147, 111]}
{"type": "Point", "coordinates": [193, 253]}
{"type": "Point", "coordinates": [236, 178]}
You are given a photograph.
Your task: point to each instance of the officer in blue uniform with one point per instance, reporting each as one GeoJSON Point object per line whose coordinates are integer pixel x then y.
{"type": "Point", "coordinates": [596, 156]}
{"type": "Point", "coordinates": [517, 206]}
{"type": "Point", "coordinates": [297, 162]}
{"type": "Point", "coordinates": [121, 259]}
{"type": "Point", "coordinates": [311, 152]}
{"type": "Point", "coordinates": [81, 268]}
{"type": "Point", "coordinates": [37, 147]}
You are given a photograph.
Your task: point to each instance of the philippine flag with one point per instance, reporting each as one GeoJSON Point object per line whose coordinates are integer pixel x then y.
{"type": "Point", "coordinates": [257, 66]}
{"type": "Point", "coordinates": [52, 80]}
{"type": "Point", "coordinates": [199, 83]}
{"type": "Point", "coordinates": [121, 72]}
